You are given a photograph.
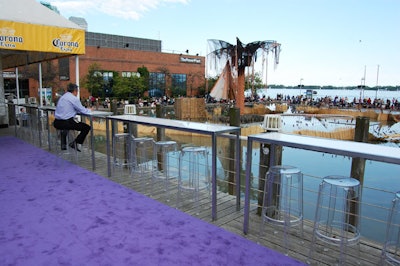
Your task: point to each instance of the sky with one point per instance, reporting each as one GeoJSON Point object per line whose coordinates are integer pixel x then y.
{"type": "Point", "coordinates": [323, 42]}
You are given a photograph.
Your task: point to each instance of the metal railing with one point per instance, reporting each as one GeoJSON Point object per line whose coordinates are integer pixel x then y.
{"type": "Point", "coordinates": [381, 179]}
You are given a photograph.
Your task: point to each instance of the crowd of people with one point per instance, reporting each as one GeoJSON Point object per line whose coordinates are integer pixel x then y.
{"type": "Point", "coordinates": [327, 101]}
{"type": "Point", "coordinates": [105, 103]}
{"type": "Point", "coordinates": [340, 102]}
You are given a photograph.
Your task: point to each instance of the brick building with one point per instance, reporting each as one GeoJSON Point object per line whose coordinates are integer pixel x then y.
{"type": "Point", "coordinates": [124, 55]}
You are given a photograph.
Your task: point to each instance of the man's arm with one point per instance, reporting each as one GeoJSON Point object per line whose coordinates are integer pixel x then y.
{"type": "Point", "coordinates": [80, 108]}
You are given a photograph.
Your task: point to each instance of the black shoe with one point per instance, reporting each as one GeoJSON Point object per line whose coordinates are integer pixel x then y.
{"type": "Point", "coordinates": [74, 145]}
{"type": "Point", "coordinates": [63, 147]}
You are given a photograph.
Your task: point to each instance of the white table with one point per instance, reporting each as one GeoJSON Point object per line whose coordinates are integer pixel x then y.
{"type": "Point", "coordinates": [212, 130]}
{"type": "Point", "coordinates": [340, 147]}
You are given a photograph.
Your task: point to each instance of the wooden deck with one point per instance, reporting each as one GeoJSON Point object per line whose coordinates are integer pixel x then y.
{"type": "Point", "coordinates": [232, 220]}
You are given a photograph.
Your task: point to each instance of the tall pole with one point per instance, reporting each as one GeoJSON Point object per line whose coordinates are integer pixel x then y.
{"type": "Point", "coordinates": [3, 109]}
{"type": "Point", "coordinates": [40, 85]}
{"type": "Point", "coordinates": [363, 79]}
{"type": "Point", "coordinates": [301, 85]}
{"type": "Point", "coordinates": [377, 82]}
{"type": "Point", "coordinates": [365, 73]}
{"type": "Point", "coordinates": [377, 76]}
{"type": "Point", "coordinates": [17, 83]}
{"type": "Point", "coordinates": [77, 75]}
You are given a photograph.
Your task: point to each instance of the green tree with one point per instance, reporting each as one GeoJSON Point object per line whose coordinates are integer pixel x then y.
{"type": "Point", "coordinates": [254, 82]}
{"type": "Point", "coordinates": [177, 92]}
{"type": "Point", "coordinates": [128, 87]}
{"type": "Point", "coordinates": [94, 81]}
{"type": "Point", "coordinates": [144, 76]}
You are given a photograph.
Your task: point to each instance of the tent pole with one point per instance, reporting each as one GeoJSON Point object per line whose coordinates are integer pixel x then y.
{"type": "Point", "coordinates": [40, 85]}
{"type": "Point", "coordinates": [77, 75]}
{"type": "Point", "coordinates": [3, 109]}
{"type": "Point", "coordinates": [17, 83]}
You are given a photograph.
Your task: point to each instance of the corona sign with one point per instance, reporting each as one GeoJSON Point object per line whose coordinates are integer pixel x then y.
{"type": "Point", "coordinates": [33, 37]}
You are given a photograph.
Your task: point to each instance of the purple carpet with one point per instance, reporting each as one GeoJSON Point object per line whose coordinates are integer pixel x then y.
{"type": "Point", "coordinates": [50, 216]}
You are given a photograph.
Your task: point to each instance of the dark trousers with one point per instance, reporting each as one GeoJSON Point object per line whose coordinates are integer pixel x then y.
{"type": "Point", "coordinates": [71, 124]}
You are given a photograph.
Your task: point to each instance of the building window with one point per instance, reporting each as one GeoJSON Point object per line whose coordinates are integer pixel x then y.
{"type": "Point", "coordinates": [127, 74]}
{"type": "Point", "coordinates": [157, 85]}
{"type": "Point", "coordinates": [63, 68]}
{"type": "Point", "coordinates": [178, 84]}
{"type": "Point", "coordinates": [108, 82]}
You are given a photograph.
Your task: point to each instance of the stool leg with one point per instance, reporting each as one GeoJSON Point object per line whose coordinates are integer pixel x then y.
{"type": "Point", "coordinates": [142, 166]}
{"type": "Point", "coordinates": [166, 172]}
{"type": "Point", "coordinates": [73, 152]}
{"type": "Point", "coordinates": [63, 138]}
{"type": "Point", "coordinates": [195, 180]}
{"type": "Point", "coordinates": [391, 248]}
{"type": "Point", "coordinates": [179, 181]}
{"type": "Point", "coordinates": [155, 172]}
{"type": "Point", "coordinates": [286, 213]}
{"type": "Point", "coordinates": [316, 219]}
{"type": "Point", "coordinates": [62, 149]}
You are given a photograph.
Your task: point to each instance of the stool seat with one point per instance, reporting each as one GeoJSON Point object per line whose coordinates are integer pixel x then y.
{"type": "Point", "coordinates": [337, 214]}
{"type": "Point", "coordinates": [342, 181]}
{"type": "Point", "coordinates": [166, 143]}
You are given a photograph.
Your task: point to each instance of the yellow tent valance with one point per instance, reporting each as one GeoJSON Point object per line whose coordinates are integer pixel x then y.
{"type": "Point", "coordinates": [42, 38]}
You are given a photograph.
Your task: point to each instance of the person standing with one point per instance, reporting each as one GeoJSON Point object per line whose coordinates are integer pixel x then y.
{"type": "Point", "coordinates": [68, 106]}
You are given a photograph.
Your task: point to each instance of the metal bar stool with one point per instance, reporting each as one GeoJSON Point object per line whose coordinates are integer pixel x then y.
{"type": "Point", "coordinates": [194, 174]}
{"type": "Point", "coordinates": [62, 149]}
{"type": "Point", "coordinates": [142, 160]}
{"type": "Point", "coordinates": [391, 247]}
{"type": "Point", "coordinates": [283, 200]}
{"type": "Point", "coordinates": [121, 152]}
{"type": "Point", "coordinates": [164, 152]}
{"type": "Point", "coordinates": [34, 124]}
{"type": "Point", "coordinates": [337, 215]}
{"type": "Point", "coordinates": [24, 129]}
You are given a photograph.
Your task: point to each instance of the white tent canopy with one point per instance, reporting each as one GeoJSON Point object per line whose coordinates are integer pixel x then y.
{"type": "Point", "coordinates": [32, 33]}
{"type": "Point", "coordinates": [29, 12]}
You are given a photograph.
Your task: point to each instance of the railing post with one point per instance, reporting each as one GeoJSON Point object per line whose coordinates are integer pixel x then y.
{"type": "Point", "coordinates": [360, 135]}
{"type": "Point", "coordinates": [11, 114]}
{"type": "Point", "coordinates": [113, 106]}
{"type": "Point", "coordinates": [160, 131]}
{"type": "Point", "coordinates": [234, 120]}
{"type": "Point", "coordinates": [272, 125]}
{"type": "Point", "coordinates": [160, 136]}
{"type": "Point", "coordinates": [265, 156]}
{"type": "Point", "coordinates": [358, 164]}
